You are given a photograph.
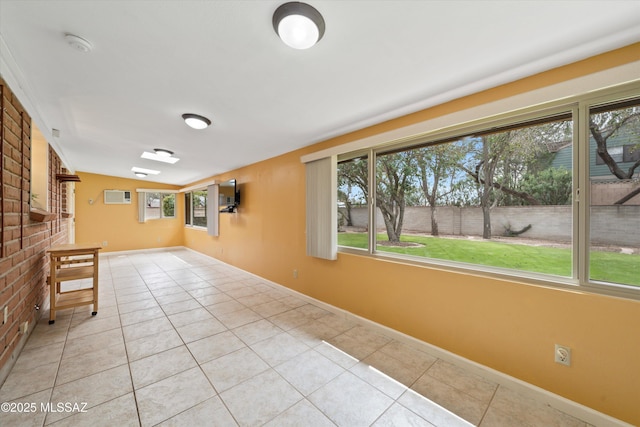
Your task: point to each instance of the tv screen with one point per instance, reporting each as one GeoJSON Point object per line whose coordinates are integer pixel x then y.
{"type": "Point", "coordinates": [228, 196]}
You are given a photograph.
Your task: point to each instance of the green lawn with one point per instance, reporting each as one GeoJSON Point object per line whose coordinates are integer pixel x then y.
{"type": "Point", "coordinates": [605, 266]}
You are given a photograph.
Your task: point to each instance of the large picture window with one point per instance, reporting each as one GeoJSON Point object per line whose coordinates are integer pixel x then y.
{"type": "Point", "coordinates": [504, 196]}
{"type": "Point", "coordinates": [500, 198]}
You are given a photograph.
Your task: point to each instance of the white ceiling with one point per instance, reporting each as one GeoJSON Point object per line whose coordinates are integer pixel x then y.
{"type": "Point", "coordinates": [152, 61]}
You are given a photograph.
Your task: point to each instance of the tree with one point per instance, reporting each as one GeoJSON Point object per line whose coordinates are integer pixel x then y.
{"type": "Point", "coordinates": [491, 151]}
{"type": "Point", "coordinates": [352, 184]}
{"type": "Point", "coordinates": [394, 173]}
{"type": "Point", "coordinates": [552, 186]}
{"type": "Point", "coordinates": [393, 176]}
{"type": "Point", "coordinates": [169, 205]}
{"type": "Point", "coordinates": [344, 215]}
{"type": "Point", "coordinates": [503, 160]}
{"type": "Point", "coordinates": [434, 165]}
{"type": "Point", "coordinates": [606, 124]}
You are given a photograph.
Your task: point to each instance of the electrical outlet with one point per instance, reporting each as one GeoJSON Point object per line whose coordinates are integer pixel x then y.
{"type": "Point", "coordinates": [563, 355]}
{"type": "Point", "coordinates": [24, 327]}
{"type": "Point", "coordinates": [105, 243]}
{"type": "Point", "coordinates": [295, 274]}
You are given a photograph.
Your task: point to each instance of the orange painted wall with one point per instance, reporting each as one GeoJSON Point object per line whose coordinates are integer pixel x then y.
{"type": "Point", "coordinates": [509, 326]}
{"type": "Point", "coordinates": [118, 224]}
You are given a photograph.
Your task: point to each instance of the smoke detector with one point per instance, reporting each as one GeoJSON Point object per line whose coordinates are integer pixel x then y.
{"type": "Point", "coordinates": [78, 43]}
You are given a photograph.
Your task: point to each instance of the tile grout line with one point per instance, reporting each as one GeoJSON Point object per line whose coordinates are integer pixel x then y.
{"type": "Point", "coordinates": [493, 395]}
{"type": "Point", "coordinates": [126, 350]}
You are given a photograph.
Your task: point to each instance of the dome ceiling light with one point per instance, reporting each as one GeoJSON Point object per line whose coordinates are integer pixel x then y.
{"type": "Point", "coordinates": [78, 43]}
{"type": "Point", "coordinates": [299, 25]}
{"type": "Point", "coordinates": [163, 152]}
{"type": "Point", "coordinates": [196, 121]}
{"type": "Point", "coordinates": [136, 170]}
{"type": "Point", "coordinates": [160, 155]}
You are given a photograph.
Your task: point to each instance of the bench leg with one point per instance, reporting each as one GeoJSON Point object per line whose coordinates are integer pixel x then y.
{"type": "Point", "coordinates": [53, 289]}
{"type": "Point", "coordinates": [95, 297]}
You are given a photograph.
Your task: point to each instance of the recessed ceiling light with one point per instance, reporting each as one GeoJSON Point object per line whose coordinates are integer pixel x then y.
{"type": "Point", "coordinates": [140, 174]}
{"type": "Point", "coordinates": [159, 158]}
{"type": "Point", "coordinates": [196, 121]}
{"type": "Point", "coordinates": [78, 43]}
{"type": "Point", "coordinates": [143, 170]}
{"type": "Point", "coordinates": [162, 152]}
{"type": "Point", "coordinates": [299, 25]}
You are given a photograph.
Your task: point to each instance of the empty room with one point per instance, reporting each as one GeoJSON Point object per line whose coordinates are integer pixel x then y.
{"type": "Point", "coordinates": [324, 213]}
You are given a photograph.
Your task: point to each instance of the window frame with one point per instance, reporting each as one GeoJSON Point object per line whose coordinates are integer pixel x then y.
{"type": "Point", "coordinates": [162, 196]}
{"type": "Point", "coordinates": [188, 206]}
{"type": "Point", "coordinates": [602, 101]}
{"type": "Point", "coordinates": [579, 108]}
{"type": "Point", "coordinates": [142, 202]}
{"type": "Point", "coordinates": [370, 181]}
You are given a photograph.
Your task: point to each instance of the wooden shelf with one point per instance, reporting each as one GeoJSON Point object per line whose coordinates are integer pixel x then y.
{"type": "Point", "coordinates": [41, 216]}
{"type": "Point", "coordinates": [64, 177]}
{"type": "Point", "coordinates": [76, 298]}
{"type": "Point", "coordinates": [74, 273]}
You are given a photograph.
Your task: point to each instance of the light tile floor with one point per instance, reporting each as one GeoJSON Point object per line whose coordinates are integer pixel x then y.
{"type": "Point", "coordinates": [181, 339]}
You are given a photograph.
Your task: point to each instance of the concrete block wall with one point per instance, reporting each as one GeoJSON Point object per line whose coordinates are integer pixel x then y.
{"type": "Point", "coordinates": [610, 225]}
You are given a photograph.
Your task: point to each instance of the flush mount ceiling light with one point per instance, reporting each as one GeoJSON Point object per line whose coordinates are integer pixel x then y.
{"type": "Point", "coordinates": [140, 174]}
{"type": "Point", "coordinates": [78, 43]}
{"type": "Point", "coordinates": [165, 158]}
{"type": "Point", "coordinates": [196, 121]}
{"type": "Point", "coordinates": [137, 170]}
{"type": "Point", "coordinates": [162, 152]}
{"type": "Point", "coordinates": [299, 25]}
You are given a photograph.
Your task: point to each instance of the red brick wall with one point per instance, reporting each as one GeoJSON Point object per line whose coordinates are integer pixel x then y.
{"type": "Point", "coordinates": [23, 241]}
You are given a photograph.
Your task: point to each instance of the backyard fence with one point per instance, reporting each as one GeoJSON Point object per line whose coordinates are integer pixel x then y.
{"type": "Point", "coordinates": [610, 225]}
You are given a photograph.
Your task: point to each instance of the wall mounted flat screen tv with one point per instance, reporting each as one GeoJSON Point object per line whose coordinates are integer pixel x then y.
{"type": "Point", "coordinates": [228, 196]}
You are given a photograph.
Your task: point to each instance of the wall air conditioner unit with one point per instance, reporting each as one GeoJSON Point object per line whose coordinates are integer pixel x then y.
{"type": "Point", "coordinates": [117, 197]}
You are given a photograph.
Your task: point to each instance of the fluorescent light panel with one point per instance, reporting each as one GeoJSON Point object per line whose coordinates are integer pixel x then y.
{"type": "Point", "coordinates": [143, 170]}
{"type": "Point", "coordinates": [158, 158]}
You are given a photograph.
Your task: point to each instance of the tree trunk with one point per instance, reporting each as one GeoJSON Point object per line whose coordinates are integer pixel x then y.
{"type": "Point", "coordinates": [348, 218]}
{"type": "Point", "coordinates": [486, 218]}
{"type": "Point", "coordinates": [390, 227]}
{"type": "Point", "coordinates": [489, 168]}
{"type": "Point", "coordinates": [434, 221]}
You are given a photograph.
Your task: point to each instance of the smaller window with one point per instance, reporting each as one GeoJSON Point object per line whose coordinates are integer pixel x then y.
{"type": "Point", "coordinates": [160, 205]}
{"type": "Point", "coordinates": [353, 195]}
{"type": "Point", "coordinates": [616, 154]}
{"type": "Point", "coordinates": [195, 205]}
{"type": "Point", "coordinates": [631, 153]}
{"type": "Point", "coordinates": [156, 205]}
